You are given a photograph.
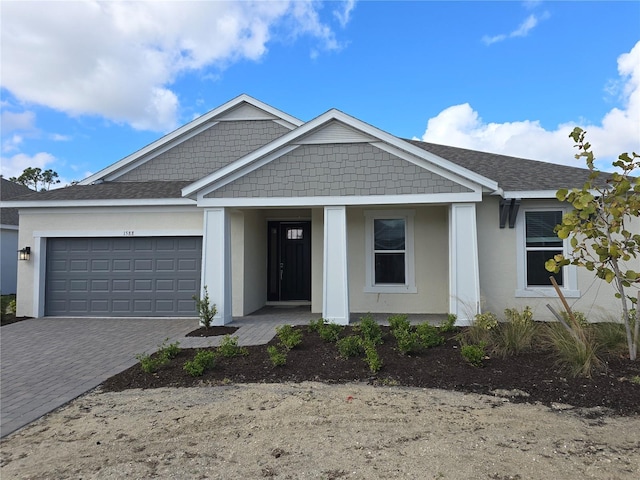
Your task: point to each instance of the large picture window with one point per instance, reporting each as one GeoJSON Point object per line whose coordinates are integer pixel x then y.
{"type": "Point", "coordinates": [389, 242]}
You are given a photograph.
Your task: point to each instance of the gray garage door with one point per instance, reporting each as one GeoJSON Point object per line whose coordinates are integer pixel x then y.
{"type": "Point", "coordinates": [131, 276]}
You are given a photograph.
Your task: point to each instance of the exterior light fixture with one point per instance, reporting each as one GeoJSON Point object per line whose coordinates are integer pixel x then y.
{"type": "Point", "coordinates": [24, 254]}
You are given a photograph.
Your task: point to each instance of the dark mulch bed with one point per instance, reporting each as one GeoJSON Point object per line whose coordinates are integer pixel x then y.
{"type": "Point", "coordinates": [212, 331]}
{"type": "Point", "coordinates": [441, 367]}
{"type": "Point", "coordinates": [9, 318]}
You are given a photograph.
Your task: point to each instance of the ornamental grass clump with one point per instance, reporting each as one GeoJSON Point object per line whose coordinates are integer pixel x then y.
{"type": "Point", "coordinates": [516, 334]}
{"type": "Point", "coordinates": [576, 349]}
{"type": "Point", "coordinates": [481, 330]}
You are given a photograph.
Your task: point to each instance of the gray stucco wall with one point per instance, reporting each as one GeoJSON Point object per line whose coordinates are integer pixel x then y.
{"type": "Point", "coordinates": [207, 152]}
{"type": "Point", "coordinates": [337, 170]}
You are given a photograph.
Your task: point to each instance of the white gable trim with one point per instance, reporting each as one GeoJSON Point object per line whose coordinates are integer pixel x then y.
{"type": "Point", "coordinates": [336, 115]}
{"type": "Point", "coordinates": [428, 198]}
{"type": "Point", "coordinates": [168, 146]}
{"type": "Point", "coordinates": [288, 120]}
{"type": "Point", "coordinates": [124, 202]}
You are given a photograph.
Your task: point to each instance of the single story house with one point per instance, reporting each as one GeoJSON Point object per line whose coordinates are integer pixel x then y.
{"type": "Point", "coordinates": [9, 235]}
{"type": "Point", "coordinates": [334, 213]}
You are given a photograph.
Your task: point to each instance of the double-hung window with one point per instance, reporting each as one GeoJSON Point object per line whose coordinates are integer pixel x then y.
{"type": "Point", "coordinates": [389, 250]}
{"type": "Point", "coordinates": [538, 243]}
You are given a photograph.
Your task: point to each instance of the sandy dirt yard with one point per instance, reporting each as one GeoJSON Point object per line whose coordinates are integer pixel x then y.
{"type": "Point", "coordinates": [313, 430]}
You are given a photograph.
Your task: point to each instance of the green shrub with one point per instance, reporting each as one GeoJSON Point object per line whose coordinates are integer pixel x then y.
{"type": "Point", "coordinates": [428, 335]}
{"type": "Point", "coordinates": [151, 363]}
{"type": "Point", "coordinates": [289, 337]}
{"type": "Point", "coordinates": [204, 360]}
{"type": "Point", "coordinates": [369, 329]}
{"type": "Point", "coordinates": [277, 355]}
{"type": "Point", "coordinates": [449, 325]}
{"type": "Point", "coordinates": [316, 325]}
{"type": "Point", "coordinates": [330, 332]}
{"type": "Point", "coordinates": [206, 310]}
{"type": "Point", "coordinates": [229, 347]}
{"type": "Point", "coordinates": [371, 357]}
{"type": "Point", "coordinates": [474, 354]}
{"type": "Point", "coordinates": [407, 340]}
{"type": "Point", "coordinates": [576, 350]}
{"type": "Point", "coordinates": [516, 334]}
{"type": "Point", "coordinates": [350, 346]}
{"type": "Point", "coordinates": [398, 321]}
{"type": "Point", "coordinates": [169, 351]}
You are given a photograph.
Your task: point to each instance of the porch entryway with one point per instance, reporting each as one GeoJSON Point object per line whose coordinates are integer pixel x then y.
{"type": "Point", "coordinates": [289, 261]}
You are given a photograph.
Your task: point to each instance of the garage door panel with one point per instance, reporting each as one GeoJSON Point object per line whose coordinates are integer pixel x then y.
{"type": "Point", "coordinates": [155, 276]}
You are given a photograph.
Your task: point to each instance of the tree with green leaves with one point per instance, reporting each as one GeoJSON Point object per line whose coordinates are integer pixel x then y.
{"type": "Point", "coordinates": [37, 179]}
{"type": "Point", "coordinates": [603, 229]}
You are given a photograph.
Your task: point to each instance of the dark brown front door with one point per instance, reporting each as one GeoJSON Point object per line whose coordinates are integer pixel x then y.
{"type": "Point", "coordinates": [289, 270]}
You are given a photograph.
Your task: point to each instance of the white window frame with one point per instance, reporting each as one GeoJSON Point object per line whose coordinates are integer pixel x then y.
{"type": "Point", "coordinates": [569, 272]}
{"type": "Point", "coordinates": [409, 285]}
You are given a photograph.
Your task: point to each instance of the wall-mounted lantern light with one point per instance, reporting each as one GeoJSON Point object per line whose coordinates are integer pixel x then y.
{"type": "Point", "coordinates": [24, 254]}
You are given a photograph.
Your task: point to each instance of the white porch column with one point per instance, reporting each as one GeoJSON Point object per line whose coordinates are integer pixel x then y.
{"type": "Point", "coordinates": [216, 262]}
{"type": "Point", "coordinates": [464, 276]}
{"type": "Point", "coordinates": [335, 290]}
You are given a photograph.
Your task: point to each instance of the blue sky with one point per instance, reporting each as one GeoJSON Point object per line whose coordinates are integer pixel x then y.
{"type": "Point", "coordinates": [85, 83]}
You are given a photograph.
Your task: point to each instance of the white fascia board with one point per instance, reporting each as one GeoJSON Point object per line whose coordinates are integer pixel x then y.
{"type": "Point", "coordinates": [529, 194]}
{"type": "Point", "coordinates": [435, 198]}
{"type": "Point", "coordinates": [5, 226]}
{"type": "Point", "coordinates": [115, 233]}
{"type": "Point", "coordinates": [142, 159]}
{"type": "Point", "coordinates": [100, 203]}
{"type": "Point", "coordinates": [170, 137]}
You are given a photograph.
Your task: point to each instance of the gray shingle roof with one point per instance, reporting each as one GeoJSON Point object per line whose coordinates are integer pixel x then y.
{"type": "Point", "coordinates": [511, 173]}
{"type": "Point", "coordinates": [11, 191]}
{"type": "Point", "coordinates": [113, 191]}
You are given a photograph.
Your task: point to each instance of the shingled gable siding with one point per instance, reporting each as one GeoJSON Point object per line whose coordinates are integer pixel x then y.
{"type": "Point", "coordinates": [337, 170]}
{"type": "Point", "coordinates": [207, 152]}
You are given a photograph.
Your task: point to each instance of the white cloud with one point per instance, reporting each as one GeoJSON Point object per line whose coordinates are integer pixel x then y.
{"type": "Point", "coordinates": [522, 31]}
{"type": "Point", "coordinates": [15, 165]}
{"type": "Point", "coordinates": [118, 59]}
{"type": "Point", "coordinates": [12, 121]}
{"type": "Point", "coordinates": [618, 131]}
{"type": "Point", "coordinates": [344, 15]}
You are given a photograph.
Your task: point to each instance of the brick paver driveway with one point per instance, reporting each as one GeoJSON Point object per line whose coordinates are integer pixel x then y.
{"type": "Point", "coordinates": [45, 363]}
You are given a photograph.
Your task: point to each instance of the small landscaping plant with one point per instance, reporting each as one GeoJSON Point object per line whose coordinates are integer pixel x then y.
{"type": "Point", "coordinates": [428, 335]}
{"type": "Point", "coordinates": [204, 360]}
{"type": "Point", "coordinates": [151, 363]}
{"type": "Point", "coordinates": [288, 336]}
{"type": "Point", "coordinates": [329, 332]}
{"type": "Point", "coordinates": [371, 357]}
{"type": "Point", "coordinates": [576, 348]}
{"type": "Point", "coordinates": [474, 353]}
{"type": "Point", "coordinates": [398, 321]}
{"type": "Point", "coordinates": [350, 346]}
{"type": "Point", "coordinates": [482, 329]}
{"type": "Point", "coordinates": [449, 325]}
{"type": "Point", "coordinates": [516, 334]}
{"type": "Point", "coordinates": [229, 347]}
{"type": "Point", "coordinates": [206, 309]}
{"type": "Point", "coordinates": [277, 355]}
{"type": "Point", "coordinates": [369, 330]}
